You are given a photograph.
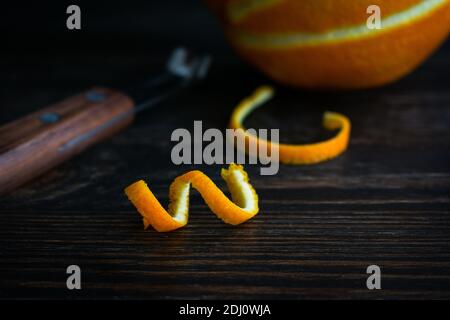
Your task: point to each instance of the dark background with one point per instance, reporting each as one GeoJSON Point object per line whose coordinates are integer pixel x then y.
{"type": "Point", "coordinates": [385, 201]}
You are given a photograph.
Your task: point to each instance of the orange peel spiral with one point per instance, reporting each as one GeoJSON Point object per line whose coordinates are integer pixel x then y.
{"type": "Point", "coordinates": [242, 207]}
{"type": "Point", "coordinates": [291, 153]}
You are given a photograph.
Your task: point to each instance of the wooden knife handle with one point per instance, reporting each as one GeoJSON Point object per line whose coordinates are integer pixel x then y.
{"type": "Point", "coordinates": [40, 141]}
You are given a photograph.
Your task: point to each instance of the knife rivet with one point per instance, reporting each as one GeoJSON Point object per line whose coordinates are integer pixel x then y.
{"type": "Point", "coordinates": [49, 117]}
{"type": "Point", "coordinates": [95, 96]}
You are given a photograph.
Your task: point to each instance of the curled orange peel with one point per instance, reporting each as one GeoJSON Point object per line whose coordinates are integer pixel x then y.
{"type": "Point", "coordinates": [242, 207]}
{"type": "Point", "coordinates": [290, 153]}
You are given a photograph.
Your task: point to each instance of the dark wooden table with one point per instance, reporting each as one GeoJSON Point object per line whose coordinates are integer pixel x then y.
{"type": "Point", "coordinates": [386, 201]}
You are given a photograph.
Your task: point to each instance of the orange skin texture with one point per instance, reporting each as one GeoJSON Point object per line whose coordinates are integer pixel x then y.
{"type": "Point", "coordinates": [161, 220]}
{"type": "Point", "coordinates": [314, 153]}
{"type": "Point", "coordinates": [216, 200]}
{"type": "Point", "coordinates": [364, 62]}
{"type": "Point", "coordinates": [149, 207]}
{"type": "Point", "coordinates": [307, 15]}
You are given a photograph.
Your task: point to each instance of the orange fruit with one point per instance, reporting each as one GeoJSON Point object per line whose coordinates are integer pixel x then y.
{"type": "Point", "coordinates": [327, 43]}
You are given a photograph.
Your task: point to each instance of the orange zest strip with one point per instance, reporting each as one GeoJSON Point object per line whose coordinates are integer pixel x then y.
{"type": "Point", "coordinates": [242, 207]}
{"type": "Point", "coordinates": [289, 153]}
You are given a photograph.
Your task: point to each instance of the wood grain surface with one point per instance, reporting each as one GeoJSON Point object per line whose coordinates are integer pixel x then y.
{"type": "Point", "coordinates": [38, 142]}
{"type": "Point", "coordinates": [386, 201]}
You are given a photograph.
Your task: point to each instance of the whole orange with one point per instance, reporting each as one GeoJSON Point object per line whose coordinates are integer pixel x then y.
{"type": "Point", "coordinates": [329, 44]}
